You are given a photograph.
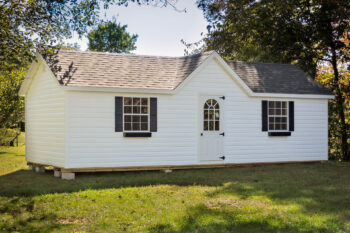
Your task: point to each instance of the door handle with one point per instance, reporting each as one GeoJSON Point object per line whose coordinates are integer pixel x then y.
{"type": "Point", "coordinates": [201, 134]}
{"type": "Point", "coordinates": [222, 134]}
{"type": "Point", "coordinates": [222, 157]}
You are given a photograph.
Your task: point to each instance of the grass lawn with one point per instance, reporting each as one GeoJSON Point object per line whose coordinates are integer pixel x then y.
{"type": "Point", "coordinates": [284, 198]}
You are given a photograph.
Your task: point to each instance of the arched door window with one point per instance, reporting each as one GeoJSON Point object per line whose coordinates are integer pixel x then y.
{"type": "Point", "coordinates": [211, 120]}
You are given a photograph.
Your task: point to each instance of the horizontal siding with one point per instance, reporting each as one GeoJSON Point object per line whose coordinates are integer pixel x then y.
{"type": "Point", "coordinates": [93, 142]}
{"type": "Point", "coordinates": [45, 121]}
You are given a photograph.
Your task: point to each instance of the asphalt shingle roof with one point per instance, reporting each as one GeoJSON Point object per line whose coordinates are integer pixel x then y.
{"type": "Point", "coordinates": [96, 69]}
{"type": "Point", "coordinates": [276, 78]}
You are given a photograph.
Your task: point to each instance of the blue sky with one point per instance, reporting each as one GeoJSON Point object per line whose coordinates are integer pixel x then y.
{"type": "Point", "coordinates": [160, 29]}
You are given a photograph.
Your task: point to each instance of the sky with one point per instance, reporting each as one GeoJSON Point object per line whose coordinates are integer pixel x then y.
{"type": "Point", "coordinates": [160, 29]}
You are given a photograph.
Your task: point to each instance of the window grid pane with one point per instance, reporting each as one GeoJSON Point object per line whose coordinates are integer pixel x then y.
{"type": "Point", "coordinates": [136, 114]}
{"type": "Point", "coordinates": [278, 115]}
{"type": "Point", "coordinates": [211, 116]}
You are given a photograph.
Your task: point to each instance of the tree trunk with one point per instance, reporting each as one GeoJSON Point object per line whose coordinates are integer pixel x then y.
{"type": "Point", "coordinates": [340, 108]}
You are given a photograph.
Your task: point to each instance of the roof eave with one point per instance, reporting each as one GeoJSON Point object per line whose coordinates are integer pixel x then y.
{"type": "Point", "coordinates": [119, 90]}
{"type": "Point", "coordinates": [171, 92]}
{"type": "Point", "coordinates": [294, 96]}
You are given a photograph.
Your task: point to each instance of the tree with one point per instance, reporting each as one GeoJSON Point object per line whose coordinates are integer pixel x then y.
{"type": "Point", "coordinates": [325, 76]}
{"type": "Point", "coordinates": [111, 37]}
{"type": "Point", "coordinates": [70, 46]}
{"type": "Point", "coordinates": [11, 107]}
{"type": "Point", "coordinates": [302, 32]}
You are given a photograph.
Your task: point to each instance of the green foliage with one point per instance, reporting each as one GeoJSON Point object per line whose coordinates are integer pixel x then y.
{"type": "Point", "coordinates": [11, 105]}
{"type": "Point", "coordinates": [325, 76]}
{"type": "Point", "coordinates": [6, 136]}
{"type": "Point", "coordinates": [69, 46]}
{"type": "Point", "coordinates": [111, 37]}
{"type": "Point", "coordinates": [305, 33]}
{"type": "Point", "coordinates": [287, 198]}
{"type": "Point", "coordinates": [31, 25]}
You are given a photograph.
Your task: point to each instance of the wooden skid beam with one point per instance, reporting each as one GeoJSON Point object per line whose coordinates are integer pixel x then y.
{"type": "Point", "coordinates": [42, 164]}
{"type": "Point", "coordinates": [150, 168]}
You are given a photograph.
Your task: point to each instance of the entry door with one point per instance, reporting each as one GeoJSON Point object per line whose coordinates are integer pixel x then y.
{"type": "Point", "coordinates": [211, 129]}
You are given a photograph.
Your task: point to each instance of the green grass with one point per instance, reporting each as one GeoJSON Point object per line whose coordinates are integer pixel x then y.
{"type": "Point", "coordinates": [284, 198]}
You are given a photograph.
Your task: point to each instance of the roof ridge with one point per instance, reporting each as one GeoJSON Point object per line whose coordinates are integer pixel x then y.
{"type": "Point", "coordinates": [134, 55]}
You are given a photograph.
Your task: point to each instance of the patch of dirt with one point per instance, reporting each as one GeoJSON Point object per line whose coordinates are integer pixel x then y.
{"type": "Point", "coordinates": [224, 202]}
{"type": "Point", "coordinates": [236, 203]}
{"type": "Point", "coordinates": [66, 221]}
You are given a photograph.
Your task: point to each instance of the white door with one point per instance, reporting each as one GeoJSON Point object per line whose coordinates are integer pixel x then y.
{"type": "Point", "coordinates": [211, 129]}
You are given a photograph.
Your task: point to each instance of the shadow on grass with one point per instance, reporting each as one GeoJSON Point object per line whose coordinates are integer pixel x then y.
{"type": "Point", "coordinates": [15, 208]}
{"type": "Point", "coordinates": [200, 218]}
{"type": "Point", "coordinates": [10, 153]}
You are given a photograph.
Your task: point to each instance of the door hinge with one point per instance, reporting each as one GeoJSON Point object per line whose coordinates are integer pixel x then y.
{"type": "Point", "coordinates": [222, 157]}
{"type": "Point", "coordinates": [222, 97]}
{"type": "Point", "coordinates": [222, 134]}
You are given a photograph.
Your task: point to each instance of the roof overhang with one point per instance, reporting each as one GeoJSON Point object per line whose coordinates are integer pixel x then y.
{"type": "Point", "coordinates": [33, 69]}
{"type": "Point", "coordinates": [172, 92]}
{"type": "Point", "coordinates": [214, 56]}
{"type": "Point", "coordinates": [119, 90]}
{"type": "Point", "coordinates": [294, 96]}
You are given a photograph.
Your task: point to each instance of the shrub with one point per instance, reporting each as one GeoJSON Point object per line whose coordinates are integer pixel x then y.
{"type": "Point", "coordinates": [6, 136]}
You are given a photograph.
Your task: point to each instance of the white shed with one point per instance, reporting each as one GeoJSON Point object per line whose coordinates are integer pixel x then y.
{"type": "Point", "coordinates": [91, 111]}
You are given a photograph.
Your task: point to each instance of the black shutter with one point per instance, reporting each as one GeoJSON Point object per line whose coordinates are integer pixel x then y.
{"type": "Point", "coordinates": [118, 114]}
{"type": "Point", "coordinates": [291, 116]}
{"type": "Point", "coordinates": [264, 115]}
{"type": "Point", "coordinates": [153, 114]}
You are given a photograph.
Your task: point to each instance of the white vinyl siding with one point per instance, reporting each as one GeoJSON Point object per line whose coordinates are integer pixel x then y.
{"type": "Point", "coordinates": [45, 120]}
{"type": "Point", "coordinates": [92, 141]}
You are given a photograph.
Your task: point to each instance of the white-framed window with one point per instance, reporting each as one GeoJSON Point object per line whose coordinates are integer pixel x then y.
{"type": "Point", "coordinates": [277, 115]}
{"type": "Point", "coordinates": [136, 114]}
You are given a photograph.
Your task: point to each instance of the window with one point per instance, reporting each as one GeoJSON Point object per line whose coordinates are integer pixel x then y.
{"type": "Point", "coordinates": [278, 115]}
{"type": "Point", "coordinates": [211, 116]}
{"type": "Point", "coordinates": [136, 114]}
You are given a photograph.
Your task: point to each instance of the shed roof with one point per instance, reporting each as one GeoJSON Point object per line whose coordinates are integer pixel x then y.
{"type": "Point", "coordinates": [97, 69]}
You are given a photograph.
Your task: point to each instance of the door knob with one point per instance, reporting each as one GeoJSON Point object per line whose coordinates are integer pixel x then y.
{"type": "Point", "coordinates": [222, 157]}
